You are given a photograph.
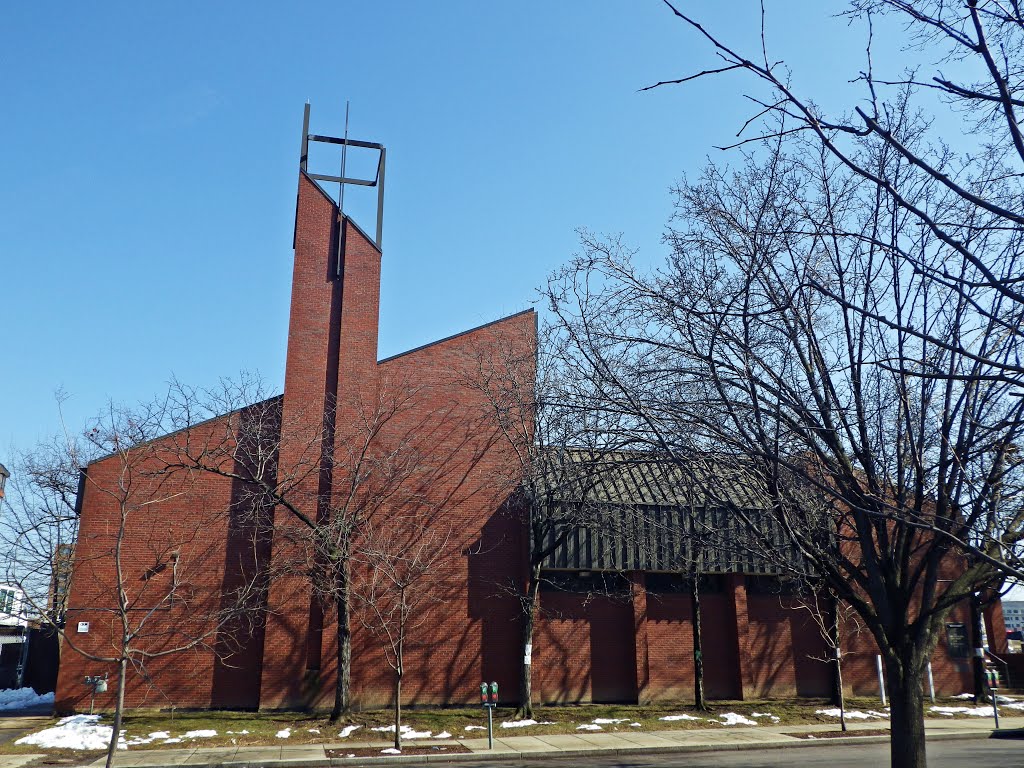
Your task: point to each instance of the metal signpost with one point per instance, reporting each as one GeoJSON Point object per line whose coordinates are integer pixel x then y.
{"type": "Point", "coordinates": [489, 699]}
{"type": "Point", "coordinates": [992, 678]}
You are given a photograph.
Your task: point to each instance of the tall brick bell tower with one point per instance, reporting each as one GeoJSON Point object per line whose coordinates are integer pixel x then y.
{"type": "Point", "coordinates": [331, 367]}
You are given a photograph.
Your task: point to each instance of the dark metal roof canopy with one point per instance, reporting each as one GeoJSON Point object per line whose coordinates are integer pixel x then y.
{"type": "Point", "coordinates": [641, 512]}
{"type": "Point", "coordinates": [377, 181]}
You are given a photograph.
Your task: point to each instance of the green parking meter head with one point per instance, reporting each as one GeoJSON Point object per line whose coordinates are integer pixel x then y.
{"type": "Point", "coordinates": [494, 693]}
{"type": "Point", "coordinates": [483, 693]}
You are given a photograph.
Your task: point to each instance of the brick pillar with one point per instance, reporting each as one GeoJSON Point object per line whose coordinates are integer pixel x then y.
{"type": "Point", "coordinates": [995, 627]}
{"type": "Point", "coordinates": [329, 372]}
{"type": "Point", "coordinates": [737, 590]}
{"type": "Point", "coordinates": [638, 592]}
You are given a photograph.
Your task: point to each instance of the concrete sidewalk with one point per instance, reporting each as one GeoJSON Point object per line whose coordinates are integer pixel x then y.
{"type": "Point", "coordinates": [515, 747]}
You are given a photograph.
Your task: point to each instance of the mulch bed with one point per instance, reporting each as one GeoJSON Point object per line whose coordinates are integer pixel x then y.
{"type": "Point", "coordinates": [839, 734]}
{"type": "Point", "coordinates": [447, 749]}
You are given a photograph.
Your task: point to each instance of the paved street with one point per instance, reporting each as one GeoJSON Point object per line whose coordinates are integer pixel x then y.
{"type": "Point", "coordinates": [951, 743]}
{"type": "Point", "coordinates": [972, 753]}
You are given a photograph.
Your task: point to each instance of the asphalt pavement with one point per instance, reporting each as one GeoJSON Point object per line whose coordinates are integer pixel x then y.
{"type": "Point", "coordinates": [968, 753]}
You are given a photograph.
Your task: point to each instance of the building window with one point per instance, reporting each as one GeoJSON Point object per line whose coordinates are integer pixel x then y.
{"type": "Point", "coordinates": [956, 640]}
{"type": "Point", "coordinates": [677, 583]}
{"type": "Point", "coordinates": [585, 582]}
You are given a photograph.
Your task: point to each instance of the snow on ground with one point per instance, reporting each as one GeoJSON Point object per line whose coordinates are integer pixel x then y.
{"type": "Point", "coordinates": [240, 733]}
{"type": "Point", "coordinates": [175, 740]}
{"type": "Point", "coordinates": [852, 714]}
{"type": "Point", "coordinates": [19, 698]}
{"type": "Point", "coordinates": [284, 733]}
{"type": "Point", "coordinates": [476, 728]}
{"type": "Point", "coordinates": [75, 732]}
{"type": "Point", "coordinates": [589, 727]}
{"type": "Point", "coordinates": [610, 720]}
{"type": "Point", "coordinates": [963, 696]}
{"type": "Point", "coordinates": [314, 730]}
{"type": "Point", "coordinates": [731, 718]}
{"type": "Point", "coordinates": [443, 735]}
{"type": "Point", "coordinates": [516, 724]}
{"type": "Point", "coordinates": [973, 711]}
{"type": "Point", "coordinates": [137, 740]}
{"type": "Point", "coordinates": [635, 725]}
{"type": "Point", "coordinates": [391, 750]}
{"type": "Point", "coordinates": [774, 718]}
{"type": "Point", "coordinates": [348, 730]}
{"type": "Point", "coordinates": [407, 732]}
{"type": "Point", "coordinates": [678, 717]}
{"type": "Point", "coordinates": [204, 733]}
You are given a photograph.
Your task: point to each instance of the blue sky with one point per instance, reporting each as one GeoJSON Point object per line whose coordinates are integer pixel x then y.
{"type": "Point", "coordinates": [148, 158]}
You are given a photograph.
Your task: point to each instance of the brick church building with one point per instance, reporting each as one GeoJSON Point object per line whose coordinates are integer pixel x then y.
{"type": "Point", "coordinates": [633, 645]}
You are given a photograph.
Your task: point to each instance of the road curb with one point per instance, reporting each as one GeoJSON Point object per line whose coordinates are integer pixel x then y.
{"type": "Point", "coordinates": [461, 757]}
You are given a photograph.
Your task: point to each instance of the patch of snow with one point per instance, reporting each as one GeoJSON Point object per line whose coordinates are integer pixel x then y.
{"type": "Point", "coordinates": [204, 733]}
{"type": "Point", "coordinates": [240, 733]}
{"type": "Point", "coordinates": [314, 730]}
{"type": "Point", "coordinates": [75, 732]}
{"type": "Point", "coordinates": [443, 735]}
{"type": "Point", "coordinates": [175, 740]}
{"type": "Point", "coordinates": [517, 724]}
{"type": "Point", "coordinates": [678, 717]}
{"type": "Point", "coordinates": [731, 718]}
{"type": "Point", "coordinates": [973, 711]}
{"type": "Point", "coordinates": [963, 696]}
{"type": "Point", "coordinates": [773, 718]}
{"type": "Point", "coordinates": [19, 698]}
{"type": "Point", "coordinates": [391, 750]}
{"type": "Point", "coordinates": [589, 727]}
{"type": "Point", "coordinates": [284, 733]}
{"type": "Point", "coordinates": [161, 735]}
{"type": "Point", "coordinates": [348, 730]}
{"type": "Point", "coordinates": [610, 720]}
{"type": "Point", "coordinates": [407, 732]}
{"type": "Point", "coordinates": [635, 725]}
{"type": "Point", "coordinates": [852, 714]}
{"type": "Point", "coordinates": [475, 728]}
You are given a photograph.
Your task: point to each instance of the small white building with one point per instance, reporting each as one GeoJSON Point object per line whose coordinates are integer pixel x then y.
{"type": "Point", "coordinates": [14, 636]}
{"type": "Point", "coordinates": [1013, 615]}
{"type": "Point", "coordinates": [12, 607]}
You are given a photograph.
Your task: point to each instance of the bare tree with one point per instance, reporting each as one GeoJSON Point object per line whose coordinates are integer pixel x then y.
{"type": "Point", "coordinates": [39, 524]}
{"type": "Point", "coordinates": [399, 564]}
{"type": "Point", "coordinates": [144, 580]}
{"type": "Point", "coordinates": [559, 447]}
{"type": "Point", "coordinates": [953, 186]}
{"type": "Point", "coordinates": [390, 449]}
{"type": "Point", "coordinates": [788, 336]}
{"type": "Point", "coordinates": [836, 623]}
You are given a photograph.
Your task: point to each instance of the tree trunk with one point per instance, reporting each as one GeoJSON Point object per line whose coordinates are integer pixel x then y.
{"type": "Point", "coordinates": [698, 644]}
{"type": "Point", "coordinates": [122, 669]}
{"type": "Point", "coordinates": [530, 606]}
{"type": "Point", "coordinates": [977, 662]}
{"type": "Point", "coordinates": [398, 708]}
{"type": "Point", "coordinates": [906, 744]}
{"type": "Point", "coordinates": [342, 705]}
{"type": "Point", "coordinates": [835, 643]}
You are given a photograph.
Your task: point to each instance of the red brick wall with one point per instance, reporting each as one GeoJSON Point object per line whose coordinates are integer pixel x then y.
{"type": "Point", "coordinates": [204, 519]}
